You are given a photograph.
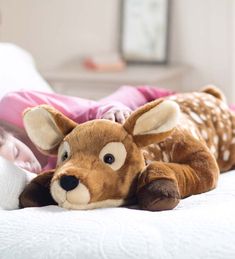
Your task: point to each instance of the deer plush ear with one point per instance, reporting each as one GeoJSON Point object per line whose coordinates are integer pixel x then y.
{"type": "Point", "coordinates": [46, 127]}
{"type": "Point", "coordinates": [153, 122]}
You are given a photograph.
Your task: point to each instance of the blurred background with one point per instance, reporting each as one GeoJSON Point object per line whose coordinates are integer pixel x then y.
{"type": "Point", "coordinates": [89, 48]}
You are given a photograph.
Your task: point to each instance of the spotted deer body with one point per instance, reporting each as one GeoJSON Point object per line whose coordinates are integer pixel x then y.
{"type": "Point", "coordinates": [208, 120]}
{"type": "Point", "coordinates": [167, 150]}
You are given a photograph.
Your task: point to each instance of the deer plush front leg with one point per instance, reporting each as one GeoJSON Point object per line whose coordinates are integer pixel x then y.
{"type": "Point", "coordinates": [162, 184]}
{"type": "Point", "coordinates": [158, 189]}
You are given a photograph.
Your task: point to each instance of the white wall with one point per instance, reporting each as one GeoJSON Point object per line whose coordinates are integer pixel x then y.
{"type": "Point", "coordinates": [56, 32]}
{"type": "Point", "coordinates": [232, 73]}
{"type": "Point", "coordinates": [202, 35]}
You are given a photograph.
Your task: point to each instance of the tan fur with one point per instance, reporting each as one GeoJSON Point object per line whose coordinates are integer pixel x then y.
{"type": "Point", "coordinates": [214, 91]}
{"type": "Point", "coordinates": [54, 123]}
{"type": "Point", "coordinates": [160, 168]}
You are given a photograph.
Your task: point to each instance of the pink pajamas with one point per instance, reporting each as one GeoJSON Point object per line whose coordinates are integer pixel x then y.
{"type": "Point", "coordinates": [80, 110]}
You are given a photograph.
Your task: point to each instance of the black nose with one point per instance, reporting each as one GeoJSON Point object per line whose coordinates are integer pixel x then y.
{"type": "Point", "coordinates": [69, 182]}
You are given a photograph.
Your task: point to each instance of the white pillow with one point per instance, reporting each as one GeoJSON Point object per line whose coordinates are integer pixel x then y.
{"type": "Point", "coordinates": [12, 182]}
{"type": "Point", "coordinates": [18, 71]}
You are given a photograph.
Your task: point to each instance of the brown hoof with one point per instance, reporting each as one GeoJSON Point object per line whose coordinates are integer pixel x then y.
{"type": "Point", "coordinates": [159, 195]}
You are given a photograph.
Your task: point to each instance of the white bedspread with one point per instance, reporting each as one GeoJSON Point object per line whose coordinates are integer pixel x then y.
{"type": "Point", "coordinates": [202, 226]}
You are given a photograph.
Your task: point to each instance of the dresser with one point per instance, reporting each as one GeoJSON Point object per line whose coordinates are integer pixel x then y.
{"type": "Point", "coordinates": [79, 81]}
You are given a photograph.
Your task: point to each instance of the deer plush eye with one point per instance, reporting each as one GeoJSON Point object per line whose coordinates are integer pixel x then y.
{"type": "Point", "coordinates": [109, 159]}
{"type": "Point", "coordinates": [64, 156]}
{"type": "Point", "coordinates": [113, 155]}
{"type": "Point", "coordinates": [64, 152]}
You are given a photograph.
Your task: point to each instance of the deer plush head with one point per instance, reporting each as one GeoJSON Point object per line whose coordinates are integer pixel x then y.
{"type": "Point", "coordinates": [99, 161]}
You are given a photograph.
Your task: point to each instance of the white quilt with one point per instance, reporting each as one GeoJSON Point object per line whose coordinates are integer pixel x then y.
{"type": "Point", "coordinates": [202, 226]}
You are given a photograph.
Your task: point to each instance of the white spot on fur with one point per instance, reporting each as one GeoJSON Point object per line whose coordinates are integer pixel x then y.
{"type": "Point", "coordinates": [195, 117]}
{"type": "Point", "coordinates": [157, 146]}
{"type": "Point", "coordinates": [184, 127]}
{"type": "Point", "coordinates": [223, 106]}
{"type": "Point", "coordinates": [203, 116]}
{"type": "Point", "coordinates": [213, 149]}
{"type": "Point", "coordinates": [209, 104]}
{"type": "Point", "coordinates": [204, 134]}
{"type": "Point", "coordinates": [226, 155]}
{"type": "Point", "coordinates": [214, 119]}
{"type": "Point", "coordinates": [217, 109]}
{"type": "Point", "coordinates": [194, 133]}
{"type": "Point", "coordinates": [225, 137]}
{"type": "Point", "coordinates": [224, 116]}
{"type": "Point", "coordinates": [216, 140]}
{"type": "Point", "coordinates": [221, 125]}
{"type": "Point", "coordinates": [233, 141]}
{"type": "Point", "coordinates": [165, 157]}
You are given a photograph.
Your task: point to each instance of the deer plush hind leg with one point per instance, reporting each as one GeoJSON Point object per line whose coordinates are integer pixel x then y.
{"type": "Point", "coordinates": [162, 185]}
{"type": "Point", "coordinates": [192, 168]}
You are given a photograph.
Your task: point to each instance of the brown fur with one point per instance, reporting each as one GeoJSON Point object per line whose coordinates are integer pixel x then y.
{"type": "Point", "coordinates": [159, 168]}
{"type": "Point", "coordinates": [37, 193]}
{"type": "Point", "coordinates": [214, 91]}
{"type": "Point", "coordinates": [84, 165]}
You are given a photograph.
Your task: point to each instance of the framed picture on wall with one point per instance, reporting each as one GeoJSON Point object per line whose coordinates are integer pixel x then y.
{"type": "Point", "coordinates": [144, 31]}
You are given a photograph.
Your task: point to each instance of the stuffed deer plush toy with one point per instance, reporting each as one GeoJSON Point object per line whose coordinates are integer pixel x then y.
{"type": "Point", "coordinates": [166, 150]}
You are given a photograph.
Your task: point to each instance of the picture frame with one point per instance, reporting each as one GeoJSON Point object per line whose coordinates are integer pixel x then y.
{"type": "Point", "coordinates": [144, 31]}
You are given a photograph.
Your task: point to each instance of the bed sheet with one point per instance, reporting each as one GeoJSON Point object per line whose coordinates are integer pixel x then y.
{"type": "Point", "coordinates": [202, 226]}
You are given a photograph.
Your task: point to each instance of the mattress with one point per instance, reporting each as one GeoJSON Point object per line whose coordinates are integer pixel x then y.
{"type": "Point", "coordinates": [202, 226]}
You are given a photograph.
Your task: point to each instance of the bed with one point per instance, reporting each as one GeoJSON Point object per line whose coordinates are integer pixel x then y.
{"type": "Point", "coordinates": [201, 226]}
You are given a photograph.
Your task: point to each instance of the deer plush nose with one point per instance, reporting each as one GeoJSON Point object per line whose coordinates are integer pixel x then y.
{"type": "Point", "coordinates": [69, 182]}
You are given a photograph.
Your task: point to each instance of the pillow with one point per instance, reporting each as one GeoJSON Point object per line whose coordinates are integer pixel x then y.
{"type": "Point", "coordinates": [12, 182]}
{"type": "Point", "coordinates": [18, 71]}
